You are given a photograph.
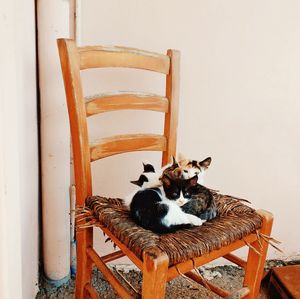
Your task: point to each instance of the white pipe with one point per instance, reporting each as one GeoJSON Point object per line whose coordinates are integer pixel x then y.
{"type": "Point", "coordinates": [54, 21]}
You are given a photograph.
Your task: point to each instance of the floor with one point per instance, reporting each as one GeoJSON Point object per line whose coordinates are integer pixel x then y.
{"type": "Point", "coordinates": [227, 277]}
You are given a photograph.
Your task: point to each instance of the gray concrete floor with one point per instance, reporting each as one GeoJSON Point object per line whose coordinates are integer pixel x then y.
{"type": "Point", "coordinates": [227, 277]}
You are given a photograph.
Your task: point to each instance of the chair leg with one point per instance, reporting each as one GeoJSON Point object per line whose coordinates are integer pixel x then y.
{"type": "Point", "coordinates": [155, 269]}
{"type": "Point", "coordinates": [84, 264]}
{"type": "Point", "coordinates": [255, 262]}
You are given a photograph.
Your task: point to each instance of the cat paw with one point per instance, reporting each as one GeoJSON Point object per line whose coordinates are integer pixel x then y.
{"type": "Point", "coordinates": [195, 220]}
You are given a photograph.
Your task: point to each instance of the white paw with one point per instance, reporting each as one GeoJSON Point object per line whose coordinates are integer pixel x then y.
{"type": "Point", "coordinates": [195, 220]}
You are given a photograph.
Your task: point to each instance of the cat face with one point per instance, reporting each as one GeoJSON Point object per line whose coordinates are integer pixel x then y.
{"type": "Point", "coordinates": [190, 168]}
{"type": "Point", "coordinates": [185, 169]}
{"type": "Point", "coordinates": [177, 189]}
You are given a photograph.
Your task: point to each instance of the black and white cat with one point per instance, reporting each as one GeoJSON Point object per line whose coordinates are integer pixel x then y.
{"type": "Point", "coordinates": [198, 199]}
{"type": "Point", "coordinates": [159, 208]}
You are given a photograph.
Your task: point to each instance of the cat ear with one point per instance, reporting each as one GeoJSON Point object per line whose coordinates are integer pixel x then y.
{"type": "Point", "coordinates": [205, 163]}
{"type": "Point", "coordinates": [166, 181]}
{"type": "Point", "coordinates": [174, 161]}
{"type": "Point", "coordinates": [148, 167]}
{"type": "Point", "coordinates": [194, 180]}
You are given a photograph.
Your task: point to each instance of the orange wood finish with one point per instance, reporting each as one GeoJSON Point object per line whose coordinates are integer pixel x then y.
{"type": "Point", "coordinates": [91, 292]}
{"type": "Point", "coordinates": [255, 263]}
{"type": "Point", "coordinates": [154, 266]}
{"type": "Point", "coordinates": [235, 259]}
{"type": "Point", "coordinates": [122, 101]}
{"type": "Point", "coordinates": [99, 56]}
{"type": "Point", "coordinates": [126, 143]}
{"type": "Point", "coordinates": [108, 274]}
{"type": "Point", "coordinates": [155, 269]}
{"type": "Point", "coordinates": [171, 118]}
{"type": "Point", "coordinates": [112, 256]}
{"type": "Point", "coordinates": [211, 286]}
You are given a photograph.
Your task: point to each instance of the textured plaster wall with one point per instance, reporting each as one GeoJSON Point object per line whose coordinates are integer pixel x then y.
{"type": "Point", "coordinates": [240, 94]}
{"type": "Point", "coordinates": [18, 152]}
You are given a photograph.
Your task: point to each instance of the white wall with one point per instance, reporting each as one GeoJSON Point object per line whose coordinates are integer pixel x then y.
{"type": "Point", "coordinates": [18, 152]}
{"type": "Point", "coordinates": [239, 94]}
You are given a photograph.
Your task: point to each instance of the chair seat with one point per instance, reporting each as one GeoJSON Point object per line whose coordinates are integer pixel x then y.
{"type": "Point", "coordinates": [235, 221]}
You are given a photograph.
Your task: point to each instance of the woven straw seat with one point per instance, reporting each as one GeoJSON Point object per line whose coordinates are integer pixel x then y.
{"type": "Point", "coordinates": [235, 220]}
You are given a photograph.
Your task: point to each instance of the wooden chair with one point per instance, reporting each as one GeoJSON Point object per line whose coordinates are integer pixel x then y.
{"type": "Point", "coordinates": [157, 263]}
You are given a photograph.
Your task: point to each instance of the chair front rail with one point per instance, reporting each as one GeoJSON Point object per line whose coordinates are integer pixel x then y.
{"type": "Point", "coordinates": [123, 248]}
{"type": "Point", "coordinates": [206, 258]}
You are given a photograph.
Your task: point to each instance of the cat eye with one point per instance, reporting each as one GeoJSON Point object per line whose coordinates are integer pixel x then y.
{"type": "Point", "coordinates": [186, 171]}
{"type": "Point", "coordinates": [174, 194]}
{"type": "Point", "coordinates": [187, 194]}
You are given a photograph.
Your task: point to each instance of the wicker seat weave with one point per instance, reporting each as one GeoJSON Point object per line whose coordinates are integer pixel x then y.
{"type": "Point", "coordinates": [235, 220]}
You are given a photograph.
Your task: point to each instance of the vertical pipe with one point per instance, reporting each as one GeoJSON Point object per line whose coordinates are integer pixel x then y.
{"type": "Point", "coordinates": [55, 20]}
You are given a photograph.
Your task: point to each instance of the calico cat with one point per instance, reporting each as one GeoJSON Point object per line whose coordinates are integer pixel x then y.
{"type": "Point", "coordinates": [184, 169]}
{"type": "Point", "coordinates": [187, 168]}
{"type": "Point", "coordinates": [158, 208]}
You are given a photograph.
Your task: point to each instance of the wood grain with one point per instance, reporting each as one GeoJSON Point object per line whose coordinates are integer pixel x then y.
{"type": "Point", "coordinates": [69, 58]}
{"type": "Point", "coordinates": [255, 263]}
{"type": "Point", "coordinates": [123, 248]}
{"type": "Point", "coordinates": [121, 101]}
{"type": "Point", "coordinates": [206, 258]}
{"type": "Point", "coordinates": [171, 118]}
{"type": "Point", "coordinates": [99, 56]}
{"type": "Point", "coordinates": [122, 292]}
{"type": "Point", "coordinates": [112, 256]}
{"type": "Point", "coordinates": [91, 291]}
{"type": "Point", "coordinates": [212, 287]}
{"type": "Point", "coordinates": [235, 259]}
{"type": "Point", "coordinates": [155, 270]}
{"type": "Point", "coordinates": [126, 143]}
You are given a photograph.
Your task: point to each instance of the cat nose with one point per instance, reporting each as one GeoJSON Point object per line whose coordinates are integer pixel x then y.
{"type": "Point", "coordinates": [180, 202]}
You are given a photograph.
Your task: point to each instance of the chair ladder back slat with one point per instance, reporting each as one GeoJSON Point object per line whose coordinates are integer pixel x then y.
{"type": "Point", "coordinates": [70, 63]}
{"type": "Point", "coordinates": [127, 143]}
{"type": "Point", "coordinates": [172, 94]}
{"type": "Point", "coordinates": [121, 101]}
{"type": "Point", "coordinates": [96, 57]}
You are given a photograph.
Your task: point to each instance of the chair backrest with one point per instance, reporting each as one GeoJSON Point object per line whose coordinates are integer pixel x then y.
{"type": "Point", "coordinates": [73, 60]}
